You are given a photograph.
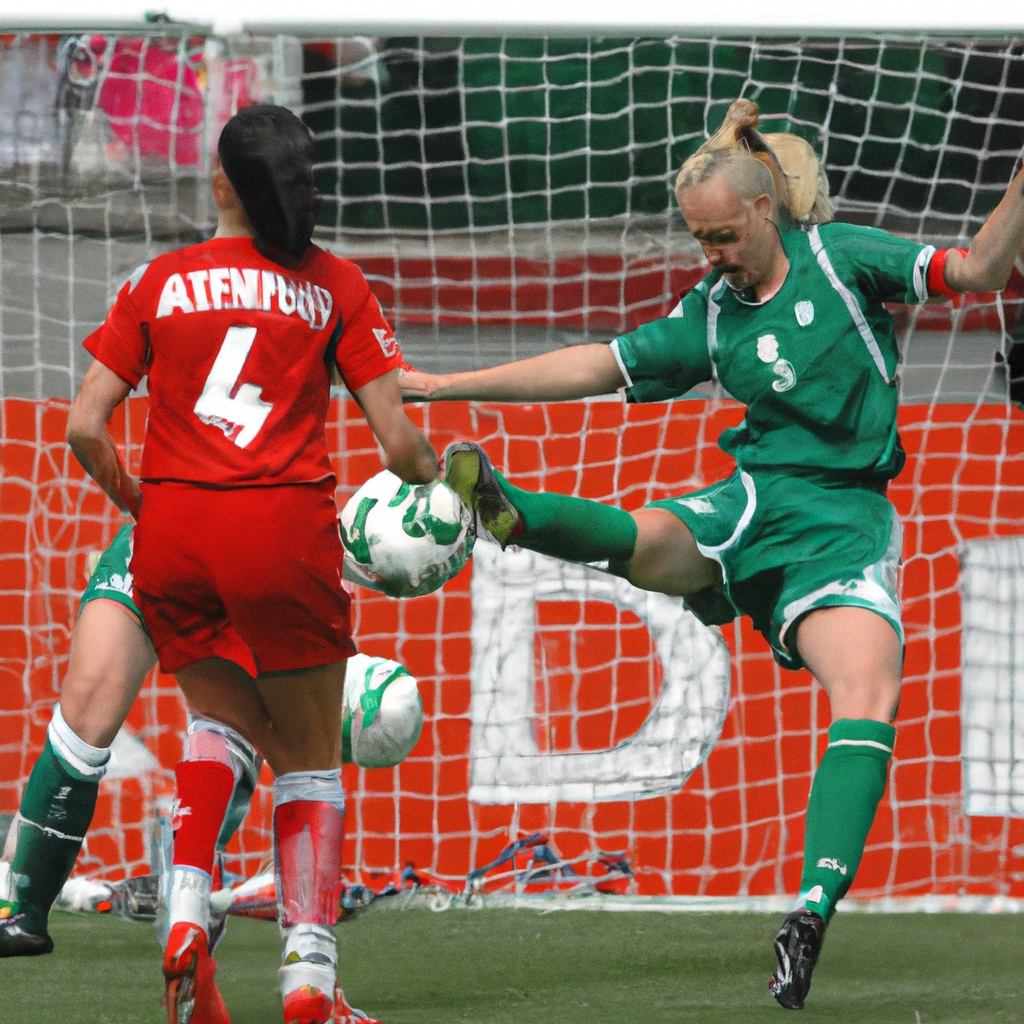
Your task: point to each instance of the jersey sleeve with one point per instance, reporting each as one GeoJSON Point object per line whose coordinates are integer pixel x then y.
{"type": "Point", "coordinates": [664, 359]}
{"type": "Point", "coordinates": [885, 267]}
{"type": "Point", "coordinates": [120, 342]}
{"type": "Point", "coordinates": [364, 347]}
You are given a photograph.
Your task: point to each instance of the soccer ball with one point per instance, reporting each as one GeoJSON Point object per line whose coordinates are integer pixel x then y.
{"type": "Point", "coordinates": [405, 540]}
{"type": "Point", "coordinates": [382, 714]}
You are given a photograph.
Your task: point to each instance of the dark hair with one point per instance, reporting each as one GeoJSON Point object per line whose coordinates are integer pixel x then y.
{"type": "Point", "coordinates": [267, 155]}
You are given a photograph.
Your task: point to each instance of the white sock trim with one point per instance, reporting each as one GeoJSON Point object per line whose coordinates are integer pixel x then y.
{"type": "Point", "coordinates": [189, 899]}
{"type": "Point", "coordinates": [861, 743]}
{"type": "Point", "coordinates": [318, 787]}
{"type": "Point", "coordinates": [85, 759]}
{"type": "Point", "coordinates": [311, 938]}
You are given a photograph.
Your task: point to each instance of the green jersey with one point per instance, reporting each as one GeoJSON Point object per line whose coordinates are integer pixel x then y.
{"type": "Point", "coordinates": [815, 364]}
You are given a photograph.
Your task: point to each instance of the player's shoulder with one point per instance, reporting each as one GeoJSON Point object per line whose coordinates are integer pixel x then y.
{"type": "Point", "coordinates": [162, 266]}
{"type": "Point", "coordinates": [325, 262]}
{"type": "Point", "coordinates": [838, 230]}
{"type": "Point", "coordinates": [857, 248]}
{"type": "Point", "coordinates": [843, 237]}
{"type": "Point", "coordinates": [335, 272]}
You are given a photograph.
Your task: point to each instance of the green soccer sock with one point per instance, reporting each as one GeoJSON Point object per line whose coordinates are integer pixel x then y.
{"type": "Point", "coordinates": [56, 810]}
{"type": "Point", "coordinates": [847, 787]}
{"type": "Point", "coordinates": [573, 529]}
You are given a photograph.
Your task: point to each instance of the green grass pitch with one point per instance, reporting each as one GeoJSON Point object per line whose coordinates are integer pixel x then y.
{"type": "Point", "coordinates": [502, 966]}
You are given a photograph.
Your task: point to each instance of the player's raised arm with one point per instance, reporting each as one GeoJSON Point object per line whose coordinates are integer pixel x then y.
{"type": "Point", "coordinates": [102, 392]}
{"type": "Point", "coordinates": [569, 373]}
{"type": "Point", "coordinates": [407, 453]}
{"type": "Point", "coordinates": [995, 248]}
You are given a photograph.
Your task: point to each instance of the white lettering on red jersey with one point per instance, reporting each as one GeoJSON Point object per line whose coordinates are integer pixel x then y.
{"type": "Point", "coordinates": [249, 288]}
{"type": "Point", "coordinates": [238, 352]}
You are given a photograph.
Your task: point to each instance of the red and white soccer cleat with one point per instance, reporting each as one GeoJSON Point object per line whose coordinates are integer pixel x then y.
{"type": "Point", "coordinates": [307, 1004]}
{"type": "Point", "coordinates": [345, 1014]}
{"type": "Point", "coordinates": [190, 992]}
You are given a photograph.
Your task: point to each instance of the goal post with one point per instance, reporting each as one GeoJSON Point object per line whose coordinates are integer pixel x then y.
{"type": "Point", "coordinates": [507, 196]}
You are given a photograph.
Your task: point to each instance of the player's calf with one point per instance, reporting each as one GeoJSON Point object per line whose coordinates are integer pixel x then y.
{"type": "Point", "coordinates": [55, 813]}
{"type": "Point", "coordinates": [309, 826]}
{"type": "Point", "coordinates": [204, 789]}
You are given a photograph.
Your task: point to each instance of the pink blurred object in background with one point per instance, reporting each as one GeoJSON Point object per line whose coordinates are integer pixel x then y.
{"type": "Point", "coordinates": [152, 98]}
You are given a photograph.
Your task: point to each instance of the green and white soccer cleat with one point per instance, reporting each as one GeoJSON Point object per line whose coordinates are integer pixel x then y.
{"type": "Point", "coordinates": [469, 473]}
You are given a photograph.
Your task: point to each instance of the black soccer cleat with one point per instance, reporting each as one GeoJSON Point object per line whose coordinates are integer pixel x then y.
{"type": "Point", "coordinates": [15, 941]}
{"type": "Point", "coordinates": [468, 472]}
{"type": "Point", "coordinates": [797, 947]}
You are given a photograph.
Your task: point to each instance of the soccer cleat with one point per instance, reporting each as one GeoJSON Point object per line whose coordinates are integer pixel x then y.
{"type": "Point", "coordinates": [345, 1014]}
{"type": "Point", "coordinates": [16, 941]}
{"type": "Point", "coordinates": [190, 992]}
{"type": "Point", "coordinates": [468, 472]}
{"type": "Point", "coordinates": [308, 1004]}
{"type": "Point", "coordinates": [797, 947]}
{"type": "Point", "coordinates": [308, 984]}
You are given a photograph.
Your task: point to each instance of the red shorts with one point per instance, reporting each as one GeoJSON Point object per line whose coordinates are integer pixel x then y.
{"type": "Point", "coordinates": [249, 574]}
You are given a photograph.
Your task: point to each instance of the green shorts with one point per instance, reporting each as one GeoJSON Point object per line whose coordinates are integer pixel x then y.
{"type": "Point", "coordinates": [788, 545]}
{"type": "Point", "coordinates": [112, 579]}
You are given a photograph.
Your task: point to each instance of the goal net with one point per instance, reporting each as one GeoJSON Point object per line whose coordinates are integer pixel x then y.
{"type": "Point", "coordinates": [508, 196]}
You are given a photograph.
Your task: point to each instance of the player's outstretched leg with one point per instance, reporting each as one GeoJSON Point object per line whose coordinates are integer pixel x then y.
{"type": "Point", "coordinates": [55, 813]}
{"type": "Point", "coordinates": [573, 529]}
{"type": "Point", "coordinates": [204, 788]}
{"type": "Point", "coordinates": [309, 826]}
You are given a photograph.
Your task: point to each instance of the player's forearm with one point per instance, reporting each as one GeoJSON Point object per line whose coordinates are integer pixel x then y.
{"type": "Point", "coordinates": [571, 373]}
{"type": "Point", "coordinates": [99, 458]}
{"type": "Point", "coordinates": [411, 457]}
{"type": "Point", "coordinates": [995, 247]}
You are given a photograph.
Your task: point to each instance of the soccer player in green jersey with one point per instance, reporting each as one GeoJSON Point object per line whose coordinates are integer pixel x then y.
{"type": "Point", "coordinates": [801, 538]}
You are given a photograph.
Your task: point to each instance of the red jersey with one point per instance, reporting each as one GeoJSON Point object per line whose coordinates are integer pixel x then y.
{"type": "Point", "coordinates": [238, 353]}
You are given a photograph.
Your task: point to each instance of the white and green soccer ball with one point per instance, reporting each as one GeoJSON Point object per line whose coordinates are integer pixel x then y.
{"type": "Point", "coordinates": [405, 540]}
{"type": "Point", "coordinates": [382, 714]}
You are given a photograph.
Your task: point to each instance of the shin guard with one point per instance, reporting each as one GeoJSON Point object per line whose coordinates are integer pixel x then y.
{"type": "Point", "coordinates": [309, 826]}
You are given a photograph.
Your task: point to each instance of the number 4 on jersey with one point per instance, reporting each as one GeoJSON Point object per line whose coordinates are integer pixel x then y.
{"type": "Point", "coordinates": [242, 415]}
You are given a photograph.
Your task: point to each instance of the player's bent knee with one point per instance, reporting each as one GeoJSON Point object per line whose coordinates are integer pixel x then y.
{"type": "Point", "coordinates": [210, 741]}
{"type": "Point", "coordinates": [82, 760]}
{"type": "Point", "coordinates": [667, 558]}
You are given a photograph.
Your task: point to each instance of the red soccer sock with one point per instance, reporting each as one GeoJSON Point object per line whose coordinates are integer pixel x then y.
{"type": "Point", "coordinates": [204, 791]}
{"type": "Point", "coordinates": [309, 835]}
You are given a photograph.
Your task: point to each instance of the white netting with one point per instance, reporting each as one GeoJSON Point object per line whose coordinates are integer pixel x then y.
{"type": "Point", "coordinates": [507, 196]}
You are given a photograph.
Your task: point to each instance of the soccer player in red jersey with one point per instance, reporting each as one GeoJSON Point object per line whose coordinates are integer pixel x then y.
{"type": "Point", "coordinates": [237, 560]}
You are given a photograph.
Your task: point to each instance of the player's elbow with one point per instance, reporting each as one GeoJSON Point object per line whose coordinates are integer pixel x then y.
{"type": "Point", "coordinates": [78, 434]}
